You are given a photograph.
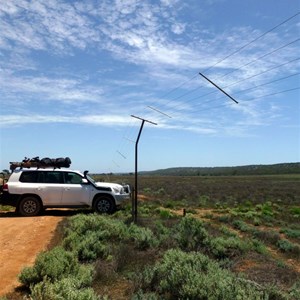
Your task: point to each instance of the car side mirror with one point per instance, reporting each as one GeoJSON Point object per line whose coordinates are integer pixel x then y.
{"type": "Point", "coordinates": [85, 181]}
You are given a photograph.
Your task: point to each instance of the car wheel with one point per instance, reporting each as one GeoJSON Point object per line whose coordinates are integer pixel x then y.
{"type": "Point", "coordinates": [104, 205]}
{"type": "Point", "coordinates": [29, 206]}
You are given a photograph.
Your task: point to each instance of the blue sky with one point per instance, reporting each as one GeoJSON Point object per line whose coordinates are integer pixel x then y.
{"type": "Point", "coordinates": [73, 72]}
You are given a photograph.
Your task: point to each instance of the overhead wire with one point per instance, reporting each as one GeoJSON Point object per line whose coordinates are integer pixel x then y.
{"type": "Point", "coordinates": [247, 90]}
{"type": "Point", "coordinates": [231, 54]}
{"type": "Point", "coordinates": [253, 41]}
{"type": "Point", "coordinates": [236, 69]}
{"type": "Point", "coordinates": [239, 81]}
{"type": "Point", "coordinates": [247, 100]}
{"type": "Point", "coordinates": [223, 59]}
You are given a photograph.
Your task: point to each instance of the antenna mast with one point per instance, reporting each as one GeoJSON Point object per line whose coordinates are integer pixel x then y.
{"type": "Point", "coordinates": [134, 204]}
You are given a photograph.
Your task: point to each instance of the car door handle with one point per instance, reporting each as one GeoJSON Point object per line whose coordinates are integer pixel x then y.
{"type": "Point", "coordinates": [67, 189]}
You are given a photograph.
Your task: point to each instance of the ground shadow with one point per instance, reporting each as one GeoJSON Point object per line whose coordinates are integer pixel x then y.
{"type": "Point", "coordinates": [48, 212]}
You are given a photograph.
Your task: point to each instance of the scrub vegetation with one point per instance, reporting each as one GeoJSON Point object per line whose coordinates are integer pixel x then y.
{"type": "Point", "coordinates": [238, 239]}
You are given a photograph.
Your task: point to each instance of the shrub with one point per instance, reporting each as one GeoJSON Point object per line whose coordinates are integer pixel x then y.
{"type": "Point", "coordinates": [291, 233]}
{"type": "Point", "coordinates": [88, 247]}
{"type": "Point", "coordinates": [259, 247]}
{"type": "Point", "coordinates": [88, 236]}
{"type": "Point", "coordinates": [143, 237]}
{"type": "Point", "coordinates": [108, 227]}
{"type": "Point", "coordinates": [286, 246]}
{"type": "Point", "coordinates": [203, 200]}
{"type": "Point", "coordinates": [227, 231]}
{"type": "Point", "coordinates": [269, 236]}
{"type": "Point", "coordinates": [241, 225]}
{"type": "Point", "coordinates": [227, 247]}
{"type": "Point", "coordinates": [295, 211]}
{"type": "Point", "coordinates": [193, 275]}
{"type": "Point", "coordinates": [55, 264]}
{"type": "Point", "coordinates": [294, 291]}
{"type": "Point", "coordinates": [165, 214]}
{"type": "Point", "coordinates": [191, 234]}
{"type": "Point", "coordinates": [224, 218]}
{"type": "Point", "coordinates": [66, 288]}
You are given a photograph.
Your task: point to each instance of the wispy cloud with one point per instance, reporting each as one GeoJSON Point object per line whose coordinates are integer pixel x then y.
{"type": "Point", "coordinates": [104, 120]}
{"type": "Point", "coordinates": [148, 37]}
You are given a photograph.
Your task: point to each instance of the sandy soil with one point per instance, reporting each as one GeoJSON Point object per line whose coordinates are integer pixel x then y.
{"type": "Point", "coordinates": [21, 239]}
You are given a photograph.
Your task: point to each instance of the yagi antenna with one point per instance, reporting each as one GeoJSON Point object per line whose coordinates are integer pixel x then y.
{"type": "Point", "coordinates": [218, 88]}
{"type": "Point", "coordinates": [134, 199]}
{"type": "Point", "coordinates": [121, 154]}
{"type": "Point", "coordinates": [153, 108]}
{"type": "Point", "coordinates": [116, 164]}
{"type": "Point", "coordinates": [129, 139]}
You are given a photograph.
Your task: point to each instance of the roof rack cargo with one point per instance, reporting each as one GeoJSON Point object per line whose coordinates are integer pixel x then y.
{"type": "Point", "coordinates": [45, 162]}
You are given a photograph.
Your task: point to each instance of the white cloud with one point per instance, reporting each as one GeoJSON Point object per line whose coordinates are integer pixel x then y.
{"type": "Point", "coordinates": [103, 120]}
{"type": "Point", "coordinates": [140, 34]}
{"type": "Point", "coordinates": [178, 28]}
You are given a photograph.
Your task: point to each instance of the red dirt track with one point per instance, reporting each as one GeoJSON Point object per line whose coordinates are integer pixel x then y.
{"type": "Point", "coordinates": [21, 239]}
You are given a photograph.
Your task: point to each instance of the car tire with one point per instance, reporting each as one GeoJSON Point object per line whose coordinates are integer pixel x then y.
{"type": "Point", "coordinates": [29, 206]}
{"type": "Point", "coordinates": [104, 205]}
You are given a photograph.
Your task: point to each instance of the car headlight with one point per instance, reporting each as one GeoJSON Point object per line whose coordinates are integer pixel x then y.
{"type": "Point", "coordinates": [116, 190]}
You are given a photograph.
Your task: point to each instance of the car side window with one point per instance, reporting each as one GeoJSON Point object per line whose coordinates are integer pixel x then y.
{"type": "Point", "coordinates": [72, 178]}
{"type": "Point", "coordinates": [29, 177]}
{"type": "Point", "coordinates": [53, 177]}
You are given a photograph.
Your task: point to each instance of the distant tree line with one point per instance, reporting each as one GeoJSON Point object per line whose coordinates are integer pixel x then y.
{"type": "Point", "coordinates": [282, 168]}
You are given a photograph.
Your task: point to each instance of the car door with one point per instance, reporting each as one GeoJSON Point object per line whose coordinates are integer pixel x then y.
{"type": "Point", "coordinates": [50, 187]}
{"type": "Point", "coordinates": [76, 190]}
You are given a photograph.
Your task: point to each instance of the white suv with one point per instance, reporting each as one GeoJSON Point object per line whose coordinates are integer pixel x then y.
{"type": "Point", "coordinates": [32, 190]}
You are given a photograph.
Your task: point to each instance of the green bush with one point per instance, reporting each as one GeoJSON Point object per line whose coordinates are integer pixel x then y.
{"type": "Point", "coordinates": [165, 214]}
{"type": "Point", "coordinates": [143, 237]}
{"type": "Point", "coordinates": [224, 218]}
{"type": "Point", "coordinates": [291, 233]}
{"type": "Point", "coordinates": [108, 227]}
{"type": "Point", "coordinates": [64, 289]}
{"type": "Point", "coordinates": [222, 247]}
{"type": "Point", "coordinates": [285, 245]}
{"type": "Point", "coordinates": [89, 236]}
{"type": "Point", "coordinates": [55, 264]}
{"type": "Point", "coordinates": [241, 225]}
{"type": "Point", "coordinates": [192, 275]}
{"type": "Point", "coordinates": [191, 234]}
{"type": "Point", "coordinates": [227, 231]}
{"type": "Point", "coordinates": [88, 247]}
{"type": "Point", "coordinates": [295, 211]}
{"type": "Point", "coordinates": [270, 236]}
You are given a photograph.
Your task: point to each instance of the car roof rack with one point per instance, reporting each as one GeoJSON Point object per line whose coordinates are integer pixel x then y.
{"type": "Point", "coordinates": [45, 163]}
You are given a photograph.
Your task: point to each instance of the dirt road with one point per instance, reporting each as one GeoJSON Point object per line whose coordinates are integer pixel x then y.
{"type": "Point", "coordinates": [21, 239]}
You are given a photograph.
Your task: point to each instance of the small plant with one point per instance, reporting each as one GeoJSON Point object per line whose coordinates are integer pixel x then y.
{"type": "Point", "coordinates": [227, 247]}
{"type": "Point", "coordinates": [147, 190]}
{"type": "Point", "coordinates": [286, 246]}
{"type": "Point", "coordinates": [241, 225]}
{"type": "Point", "coordinates": [143, 237]}
{"type": "Point", "coordinates": [6, 208]}
{"type": "Point", "coordinates": [55, 265]}
{"type": "Point", "coordinates": [295, 211]}
{"type": "Point", "coordinates": [259, 247]}
{"type": "Point", "coordinates": [191, 234]}
{"type": "Point", "coordinates": [291, 233]}
{"type": "Point", "coordinates": [204, 200]}
{"type": "Point", "coordinates": [66, 288]}
{"type": "Point", "coordinates": [227, 231]}
{"type": "Point", "coordinates": [164, 213]}
{"type": "Point", "coordinates": [181, 275]}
